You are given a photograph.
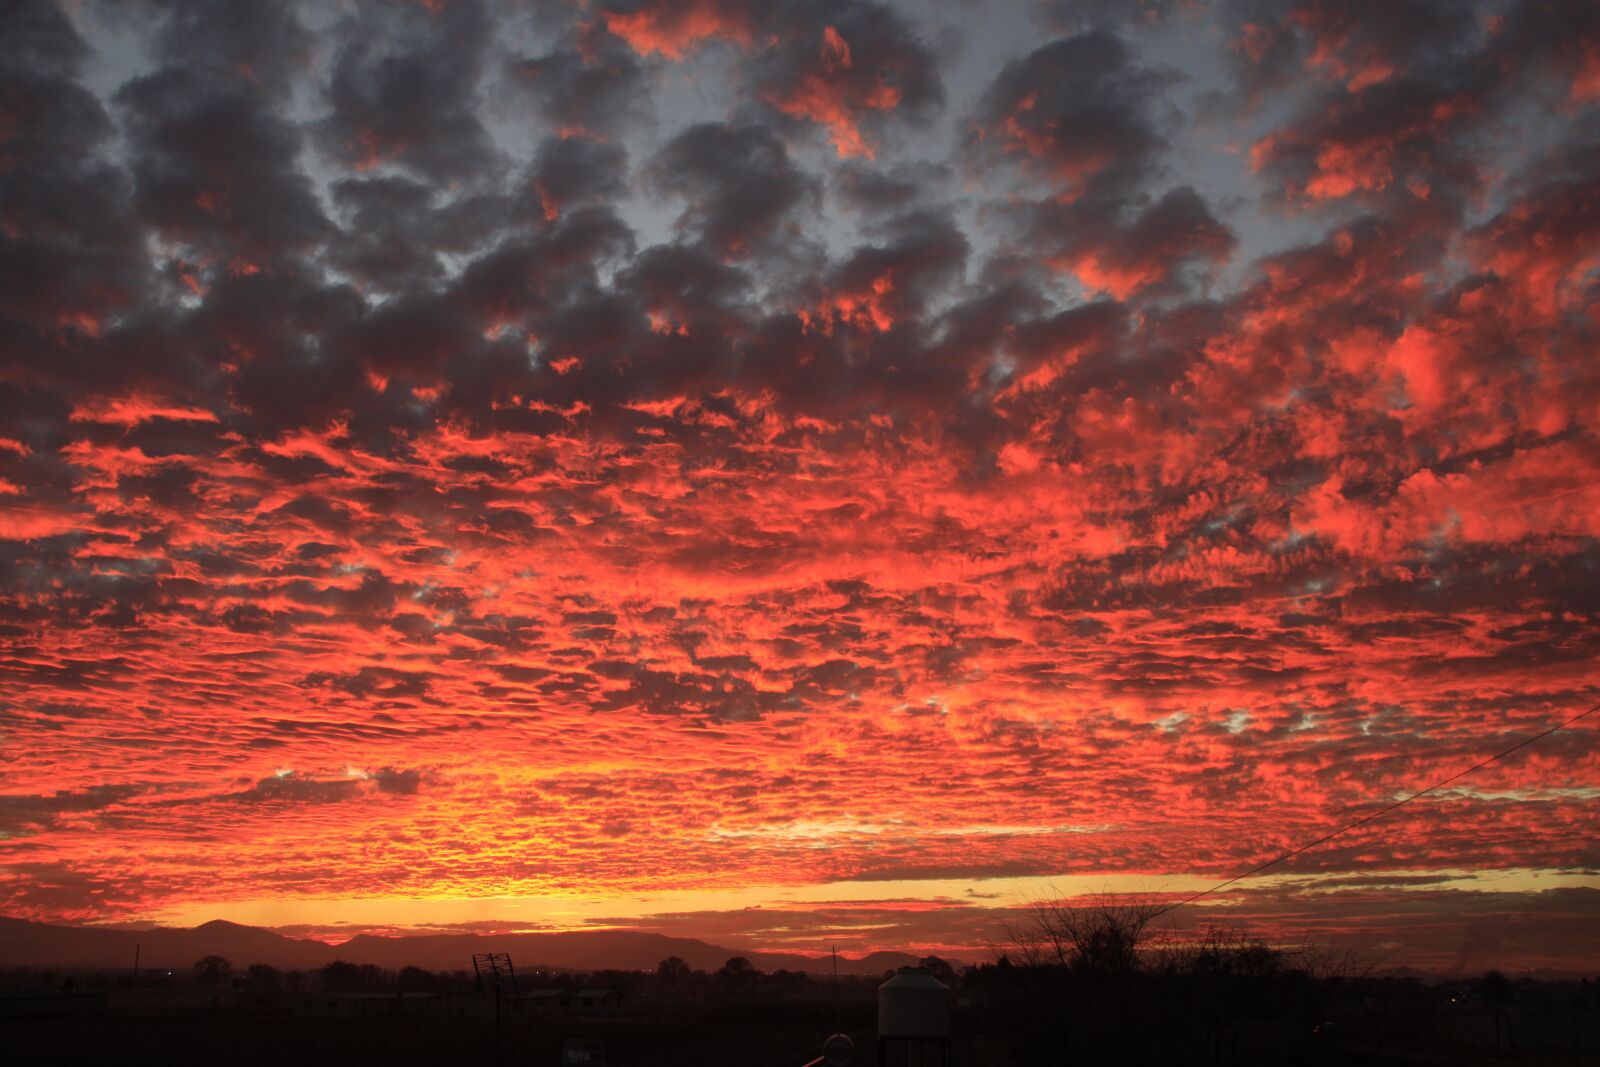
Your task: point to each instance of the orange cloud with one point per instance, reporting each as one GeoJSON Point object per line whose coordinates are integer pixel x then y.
{"type": "Point", "coordinates": [672, 30]}
{"type": "Point", "coordinates": [825, 97]}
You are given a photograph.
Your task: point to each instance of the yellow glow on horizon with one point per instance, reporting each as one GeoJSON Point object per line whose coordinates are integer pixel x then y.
{"type": "Point", "coordinates": [554, 913]}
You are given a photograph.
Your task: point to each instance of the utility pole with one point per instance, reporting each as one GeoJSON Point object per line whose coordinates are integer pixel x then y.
{"type": "Point", "coordinates": [835, 950]}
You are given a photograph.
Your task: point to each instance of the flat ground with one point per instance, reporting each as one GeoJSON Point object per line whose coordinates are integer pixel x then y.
{"type": "Point", "coordinates": [775, 1035]}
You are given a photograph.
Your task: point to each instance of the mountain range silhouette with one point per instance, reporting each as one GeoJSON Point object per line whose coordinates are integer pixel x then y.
{"type": "Point", "coordinates": [30, 944]}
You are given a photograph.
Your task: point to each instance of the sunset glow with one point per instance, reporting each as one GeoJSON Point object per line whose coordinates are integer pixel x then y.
{"type": "Point", "coordinates": [801, 473]}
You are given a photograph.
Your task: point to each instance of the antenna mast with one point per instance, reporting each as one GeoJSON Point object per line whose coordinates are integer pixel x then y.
{"type": "Point", "coordinates": [494, 972]}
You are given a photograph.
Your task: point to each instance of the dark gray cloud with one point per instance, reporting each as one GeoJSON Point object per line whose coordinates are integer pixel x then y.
{"type": "Point", "coordinates": [1083, 113]}
{"type": "Point", "coordinates": [405, 92]}
{"type": "Point", "coordinates": [572, 172]}
{"type": "Point", "coordinates": [738, 182]}
{"type": "Point", "coordinates": [216, 169]}
{"type": "Point", "coordinates": [1142, 247]}
{"type": "Point", "coordinates": [1353, 43]}
{"type": "Point", "coordinates": [876, 189]}
{"type": "Point", "coordinates": [393, 232]}
{"type": "Point", "coordinates": [30, 814]}
{"type": "Point", "coordinates": [1077, 16]}
{"type": "Point", "coordinates": [41, 40]}
{"type": "Point", "coordinates": [291, 788]}
{"type": "Point", "coordinates": [263, 45]}
{"type": "Point", "coordinates": [70, 254]}
{"type": "Point", "coordinates": [591, 84]}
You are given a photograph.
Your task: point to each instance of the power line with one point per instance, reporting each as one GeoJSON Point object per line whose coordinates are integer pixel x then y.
{"type": "Point", "coordinates": [1380, 813]}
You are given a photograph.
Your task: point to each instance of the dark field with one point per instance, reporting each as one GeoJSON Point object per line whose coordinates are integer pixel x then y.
{"type": "Point", "coordinates": [1375, 1023]}
{"type": "Point", "coordinates": [298, 1042]}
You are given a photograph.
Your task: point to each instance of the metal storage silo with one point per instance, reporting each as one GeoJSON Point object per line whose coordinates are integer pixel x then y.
{"type": "Point", "coordinates": [913, 1018]}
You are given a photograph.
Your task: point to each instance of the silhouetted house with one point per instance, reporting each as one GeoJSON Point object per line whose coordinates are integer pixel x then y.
{"type": "Point", "coordinates": [466, 1006]}
{"type": "Point", "coordinates": [595, 1001]}
{"type": "Point", "coordinates": [543, 1001]}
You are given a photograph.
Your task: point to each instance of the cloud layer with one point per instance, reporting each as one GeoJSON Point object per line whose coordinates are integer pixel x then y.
{"type": "Point", "coordinates": [490, 449]}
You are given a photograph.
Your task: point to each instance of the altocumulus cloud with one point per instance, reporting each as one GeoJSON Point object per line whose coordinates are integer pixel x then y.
{"type": "Point", "coordinates": [636, 446]}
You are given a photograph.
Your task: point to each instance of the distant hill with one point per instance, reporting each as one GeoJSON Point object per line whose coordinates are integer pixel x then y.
{"type": "Point", "coordinates": [31, 944]}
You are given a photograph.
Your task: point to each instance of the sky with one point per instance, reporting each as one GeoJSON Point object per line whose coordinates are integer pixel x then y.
{"type": "Point", "coordinates": [802, 473]}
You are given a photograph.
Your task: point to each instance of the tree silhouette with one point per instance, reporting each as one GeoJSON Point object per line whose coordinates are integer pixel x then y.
{"type": "Point", "coordinates": [212, 970]}
{"type": "Point", "coordinates": [738, 972]}
{"type": "Point", "coordinates": [672, 970]}
{"type": "Point", "coordinates": [341, 976]}
{"type": "Point", "coordinates": [417, 980]}
{"type": "Point", "coordinates": [1102, 936]}
{"type": "Point", "coordinates": [1222, 951]}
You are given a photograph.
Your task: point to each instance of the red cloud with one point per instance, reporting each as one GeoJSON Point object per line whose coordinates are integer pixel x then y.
{"type": "Point", "coordinates": [464, 527]}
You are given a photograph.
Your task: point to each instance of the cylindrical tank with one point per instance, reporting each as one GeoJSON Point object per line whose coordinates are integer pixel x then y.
{"type": "Point", "coordinates": [913, 1004]}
